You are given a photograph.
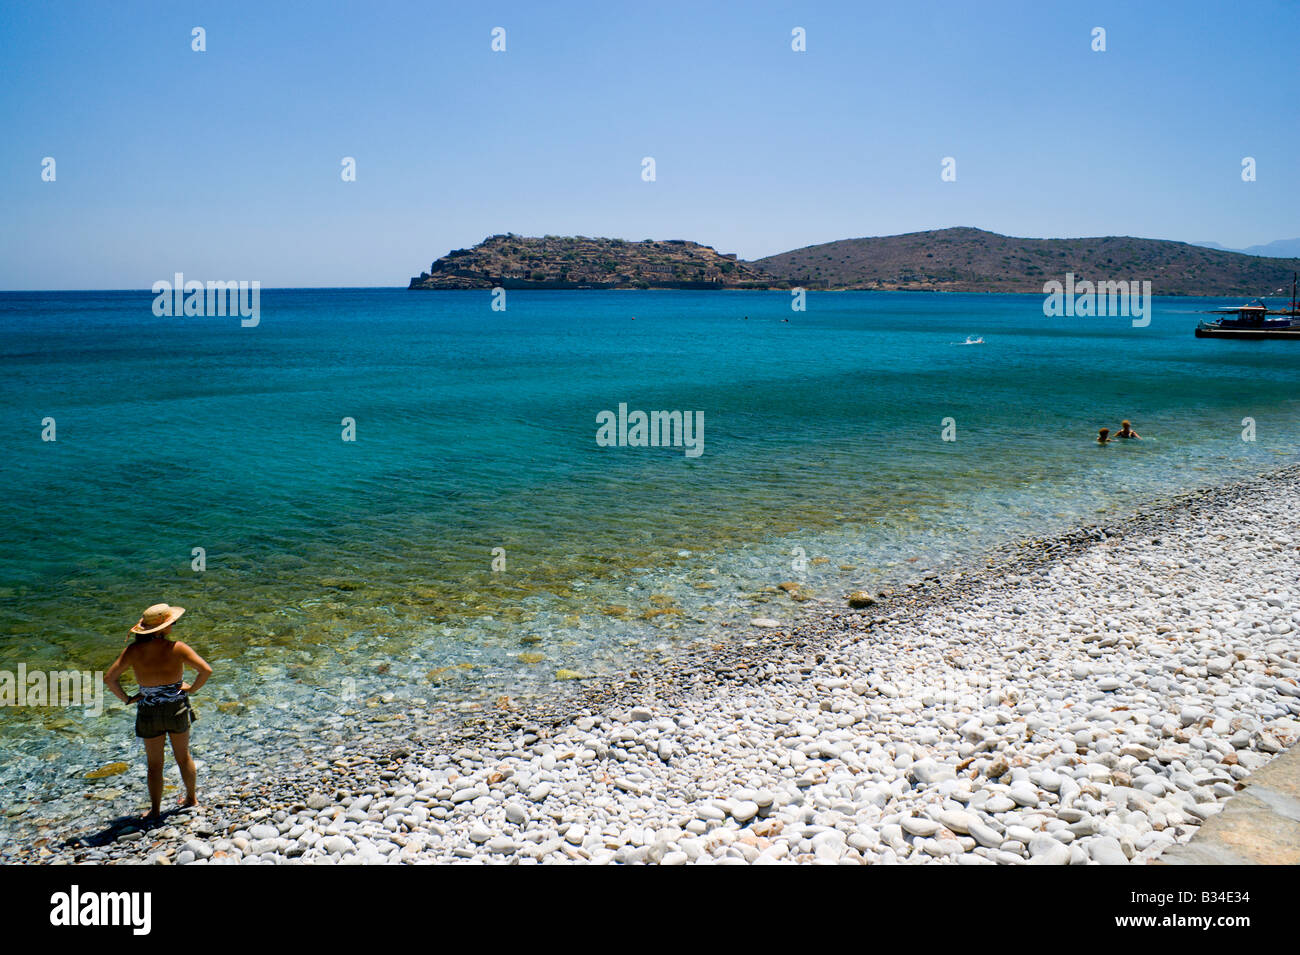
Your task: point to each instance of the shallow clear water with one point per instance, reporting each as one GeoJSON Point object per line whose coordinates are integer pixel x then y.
{"type": "Point", "coordinates": [337, 567]}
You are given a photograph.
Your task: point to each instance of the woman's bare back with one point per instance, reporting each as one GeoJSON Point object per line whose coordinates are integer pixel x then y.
{"type": "Point", "coordinates": [157, 662]}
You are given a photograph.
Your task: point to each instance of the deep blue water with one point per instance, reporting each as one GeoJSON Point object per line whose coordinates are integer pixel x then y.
{"type": "Point", "coordinates": [475, 429]}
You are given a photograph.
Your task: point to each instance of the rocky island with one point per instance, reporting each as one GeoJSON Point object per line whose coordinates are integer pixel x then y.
{"type": "Point", "coordinates": [563, 262]}
{"type": "Point", "coordinates": [949, 260]}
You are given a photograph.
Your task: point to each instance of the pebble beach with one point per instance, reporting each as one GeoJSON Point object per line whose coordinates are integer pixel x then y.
{"type": "Point", "coordinates": [1091, 698]}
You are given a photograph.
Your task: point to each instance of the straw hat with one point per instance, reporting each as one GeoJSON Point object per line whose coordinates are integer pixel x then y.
{"type": "Point", "coordinates": [158, 617]}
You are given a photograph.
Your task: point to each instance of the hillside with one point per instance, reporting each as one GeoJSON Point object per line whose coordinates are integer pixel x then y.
{"type": "Point", "coordinates": [555, 262]}
{"type": "Point", "coordinates": [972, 260]}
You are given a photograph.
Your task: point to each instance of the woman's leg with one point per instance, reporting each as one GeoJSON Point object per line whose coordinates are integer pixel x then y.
{"type": "Point", "coordinates": [181, 750]}
{"type": "Point", "coordinates": [153, 750]}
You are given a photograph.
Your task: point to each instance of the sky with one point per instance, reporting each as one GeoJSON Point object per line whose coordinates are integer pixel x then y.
{"type": "Point", "coordinates": [226, 164]}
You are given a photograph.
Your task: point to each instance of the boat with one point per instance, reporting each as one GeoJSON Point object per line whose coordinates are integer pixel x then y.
{"type": "Point", "coordinates": [1250, 322]}
{"type": "Point", "coordinates": [1253, 321]}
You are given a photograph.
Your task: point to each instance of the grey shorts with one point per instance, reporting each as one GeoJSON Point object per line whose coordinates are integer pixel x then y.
{"type": "Point", "coordinates": [152, 721]}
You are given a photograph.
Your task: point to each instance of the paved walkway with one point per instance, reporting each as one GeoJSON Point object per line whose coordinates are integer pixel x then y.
{"type": "Point", "coordinates": [1259, 826]}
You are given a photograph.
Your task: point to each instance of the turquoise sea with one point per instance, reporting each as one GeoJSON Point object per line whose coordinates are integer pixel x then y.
{"type": "Point", "coordinates": [343, 571]}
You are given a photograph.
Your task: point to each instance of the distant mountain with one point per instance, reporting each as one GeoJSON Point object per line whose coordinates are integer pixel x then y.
{"type": "Point", "coordinates": [1278, 248]}
{"type": "Point", "coordinates": [973, 260]}
{"type": "Point", "coordinates": [557, 262]}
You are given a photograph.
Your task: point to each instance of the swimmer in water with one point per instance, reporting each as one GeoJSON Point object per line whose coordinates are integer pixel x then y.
{"type": "Point", "coordinates": [1103, 436]}
{"type": "Point", "coordinates": [1126, 431]}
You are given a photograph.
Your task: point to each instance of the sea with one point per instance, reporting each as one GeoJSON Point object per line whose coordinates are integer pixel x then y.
{"type": "Point", "coordinates": [380, 498]}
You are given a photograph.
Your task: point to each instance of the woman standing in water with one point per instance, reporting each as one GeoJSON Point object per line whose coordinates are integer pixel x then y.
{"type": "Point", "coordinates": [163, 704]}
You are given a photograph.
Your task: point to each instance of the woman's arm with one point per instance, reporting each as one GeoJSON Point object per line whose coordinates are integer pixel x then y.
{"type": "Point", "coordinates": [120, 665]}
{"type": "Point", "coordinates": [198, 663]}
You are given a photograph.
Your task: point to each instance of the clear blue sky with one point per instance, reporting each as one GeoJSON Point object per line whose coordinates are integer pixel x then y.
{"type": "Point", "coordinates": [225, 164]}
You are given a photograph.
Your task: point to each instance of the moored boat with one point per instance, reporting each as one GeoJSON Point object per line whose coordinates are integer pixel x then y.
{"type": "Point", "coordinates": [1254, 321]}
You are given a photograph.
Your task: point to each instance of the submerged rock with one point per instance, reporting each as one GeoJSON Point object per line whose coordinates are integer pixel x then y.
{"type": "Point", "coordinates": [111, 769]}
